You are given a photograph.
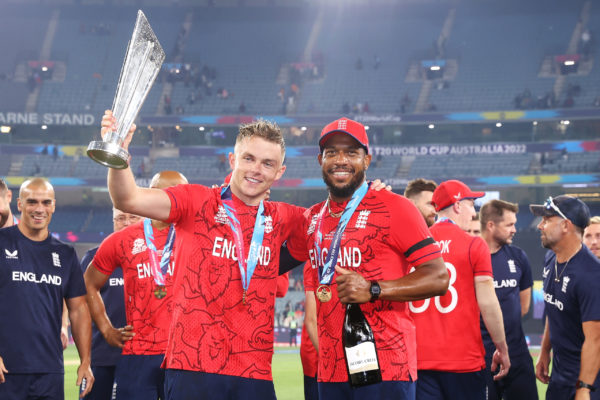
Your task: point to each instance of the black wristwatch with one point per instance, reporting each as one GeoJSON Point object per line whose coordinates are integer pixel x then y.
{"type": "Point", "coordinates": [583, 385]}
{"type": "Point", "coordinates": [375, 291]}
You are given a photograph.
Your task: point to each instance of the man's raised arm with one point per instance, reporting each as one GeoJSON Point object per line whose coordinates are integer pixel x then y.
{"type": "Point", "coordinates": [125, 194]}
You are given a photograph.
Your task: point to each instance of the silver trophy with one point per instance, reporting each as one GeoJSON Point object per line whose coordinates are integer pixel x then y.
{"type": "Point", "coordinates": [143, 60]}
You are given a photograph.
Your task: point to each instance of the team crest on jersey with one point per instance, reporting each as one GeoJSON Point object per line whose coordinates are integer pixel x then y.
{"type": "Point", "coordinates": [313, 224]}
{"type": "Point", "coordinates": [565, 280]}
{"type": "Point", "coordinates": [11, 255]}
{"type": "Point", "coordinates": [268, 224]}
{"type": "Point", "coordinates": [361, 220]}
{"type": "Point", "coordinates": [512, 267]}
{"type": "Point", "coordinates": [139, 246]}
{"type": "Point", "coordinates": [221, 216]}
{"type": "Point", "coordinates": [55, 260]}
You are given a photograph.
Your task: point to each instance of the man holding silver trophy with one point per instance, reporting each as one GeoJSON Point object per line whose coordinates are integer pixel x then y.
{"type": "Point", "coordinates": [221, 335]}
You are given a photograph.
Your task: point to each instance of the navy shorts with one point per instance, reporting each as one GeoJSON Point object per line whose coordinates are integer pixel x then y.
{"type": "Point", "coordinates": [438, 385]}
{"type": "Point", "coordinates": [139, 378]}
{"type": "Point", "coordinates": [104, 377]}
{"type": "Point", "coordinates": [33, 386]}
{"type": "Point", "coordinates": [194, 385]}
{"type": "Point", "coordinates": [519, 384]}
{"type": "Point", "coordinates": [397, 390]}
{"type": "Point", "coordinates": [311, 389]}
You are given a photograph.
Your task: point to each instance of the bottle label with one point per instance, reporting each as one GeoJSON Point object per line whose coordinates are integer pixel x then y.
{"type": "Point", "coordinates": [362, 357]}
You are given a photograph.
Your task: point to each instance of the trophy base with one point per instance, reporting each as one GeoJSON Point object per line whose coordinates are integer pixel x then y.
{"type": "Point", "coordinates": [108, 154]}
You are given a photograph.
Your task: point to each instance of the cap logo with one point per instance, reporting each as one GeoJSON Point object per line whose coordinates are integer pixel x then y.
{"type": "Point", "coordinates": [342, 124]}
{"type": "Point", "coordinates": [457, 196]}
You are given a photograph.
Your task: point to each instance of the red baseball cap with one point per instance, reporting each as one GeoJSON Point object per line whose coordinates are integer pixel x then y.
{"type": "Point", "coordinates": [349, 127]}
{"type": "Point", "coordinates": [449, 192]}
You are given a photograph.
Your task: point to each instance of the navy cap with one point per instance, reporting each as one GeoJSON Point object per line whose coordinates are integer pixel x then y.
{"type": "Point", "coordinates": [564, 206]}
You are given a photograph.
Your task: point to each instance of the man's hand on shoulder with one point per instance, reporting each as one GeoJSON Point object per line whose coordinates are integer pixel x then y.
{"type": "Point", "coordinates": [378, 185]}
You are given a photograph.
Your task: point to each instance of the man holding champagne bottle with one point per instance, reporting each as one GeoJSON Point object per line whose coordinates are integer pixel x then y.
{"type": "Point", "coordinates": [366, 240]}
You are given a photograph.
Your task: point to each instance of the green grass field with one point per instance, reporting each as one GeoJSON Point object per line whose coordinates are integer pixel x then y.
{"type": "Point", "coordinates": [287, 374]}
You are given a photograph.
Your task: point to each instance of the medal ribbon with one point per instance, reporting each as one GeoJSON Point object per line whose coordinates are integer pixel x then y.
{"type": "Point", "coordinates": [15, 220]}
{"type": "Point", "coordinates": [159, 269]}
{"type": "Point", "coordinates": [326, 272]}
{"type": "Point", "coordinates": [246, 266]}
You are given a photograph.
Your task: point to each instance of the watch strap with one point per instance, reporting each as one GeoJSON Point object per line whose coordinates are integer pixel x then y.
{"type": "Point", "coordinates": [582, 385]}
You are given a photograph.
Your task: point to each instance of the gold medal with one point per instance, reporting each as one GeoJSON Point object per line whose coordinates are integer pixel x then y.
{"type": "Point", "coordinates": [160, 292]}
{"type": "Point", "coordinates": [324, 293]}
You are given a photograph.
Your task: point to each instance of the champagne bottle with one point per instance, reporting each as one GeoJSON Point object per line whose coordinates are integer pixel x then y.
{"type": "Point", "coordinates": [359, 348]}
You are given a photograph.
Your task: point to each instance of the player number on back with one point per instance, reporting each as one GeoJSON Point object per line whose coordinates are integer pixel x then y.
{"type": "Point", "coordinates": [438, 303]}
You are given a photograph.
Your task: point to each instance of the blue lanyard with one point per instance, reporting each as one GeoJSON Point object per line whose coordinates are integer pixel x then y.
{"type": "Point", "coordinates": [328, 269]}
{"type": "Point", "coordinates": [248, 266]}
{"type": "Point", "coordinates": [159, 270]}
{"type": "Point", "coordinates": [445, 219]}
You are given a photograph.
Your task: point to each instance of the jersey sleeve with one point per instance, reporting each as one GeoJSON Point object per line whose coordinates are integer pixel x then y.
{"type": "Point", "coordinates": [297, 238]}
{"type": "Point", "coordinates": [106, 259]}
{"type": "Point", "coordinates": [589, 296]}
{"type": "Point", "coordinates": [76, 284]}
{"type": "Point", "coordinates": [87, 258]}
{"type": "Point", "coordinates": [182, 199]}
{"type": "Point", "coordinates": [409, 234]}
{"type": "Point", "coordinates": [480, 258]}
{"type": "Point", "coordinates": [309, 278]}
{"type": "Point", "coordinates": [526, 275]}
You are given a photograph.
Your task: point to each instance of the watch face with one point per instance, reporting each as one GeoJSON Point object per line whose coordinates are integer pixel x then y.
{"type": "Point", "coordinates": [375, 289]}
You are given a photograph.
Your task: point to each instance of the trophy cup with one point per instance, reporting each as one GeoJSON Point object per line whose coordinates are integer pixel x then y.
{"type": "Point", "coordinates": [143, 60]}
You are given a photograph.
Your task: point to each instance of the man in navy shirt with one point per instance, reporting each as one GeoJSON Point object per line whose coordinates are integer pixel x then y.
{"type": "Point", "coordinates": [36, 273]}
{"type": "Point", "coordinates": [512, 281]}
{"type": "Point", "coordinates": [105, 356]}
{"type": "Point", "coordinates": [572, 302]}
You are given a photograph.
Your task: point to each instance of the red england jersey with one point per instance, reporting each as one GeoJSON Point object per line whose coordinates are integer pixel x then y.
{"type": "Point", "coordinates": [149, 315]}
{"type": "Point", "coordinates": [212, 330]}
{"type": "Point", "coordinates": [385, 234]}
{"type": "Point", "coordinates": [448, 331]}
{"type": "Point", "coordinates": [308, 353]}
